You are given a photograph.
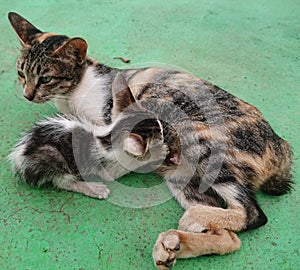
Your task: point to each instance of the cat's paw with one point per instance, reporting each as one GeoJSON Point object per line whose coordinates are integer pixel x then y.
{"type": "Point", "coordinates": [158, 151]}
{"type": "Point", "coordinates": [230, 241]}
{"type": "Point", "coordinates": [96, 190]}
{"type": "Point", "coordinates": [165, 250]}
{"type": "Point", "coordinates": [90, 189]}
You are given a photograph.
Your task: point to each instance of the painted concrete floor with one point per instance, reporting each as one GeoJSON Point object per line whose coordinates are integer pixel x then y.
{"type": "Point", "coordinates": [249, 48]}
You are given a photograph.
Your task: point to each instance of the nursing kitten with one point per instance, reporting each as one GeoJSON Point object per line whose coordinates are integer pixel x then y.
{"type": "Point", "coordinates": [221, 149]}
{"type": "Point", "coordinates": [65, 150]}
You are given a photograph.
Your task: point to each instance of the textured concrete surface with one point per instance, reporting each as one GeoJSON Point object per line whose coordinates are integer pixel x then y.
{"type": "Point", "coordinates": [249, 48]}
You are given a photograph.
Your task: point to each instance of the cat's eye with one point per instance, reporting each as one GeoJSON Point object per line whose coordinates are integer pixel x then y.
{"type": "Point", "coordinates": [21, 74]}
{"type": "Point", "coordinates": [45, 79]}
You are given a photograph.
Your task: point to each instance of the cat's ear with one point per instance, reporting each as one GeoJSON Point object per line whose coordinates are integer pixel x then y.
{"type": "Point", "coordinates": [24, 29]}
{"type": "Point", "coordinates": [121, 94]}
{"type": "Point", "coordinates": [134, 144]}
{"type": "Point", "coordinates": [74, 46]}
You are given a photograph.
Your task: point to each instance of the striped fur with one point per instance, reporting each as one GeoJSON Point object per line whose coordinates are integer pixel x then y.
{"type": "Point", "coordinates": [220, 149]}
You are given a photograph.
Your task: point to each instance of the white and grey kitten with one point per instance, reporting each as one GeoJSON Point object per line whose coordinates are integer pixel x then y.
{"type": "Point", "coordinates": [65, 150]}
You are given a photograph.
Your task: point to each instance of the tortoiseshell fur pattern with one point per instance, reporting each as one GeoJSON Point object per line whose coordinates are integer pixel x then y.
{"type": "Point", "coordinates": [220, 149]}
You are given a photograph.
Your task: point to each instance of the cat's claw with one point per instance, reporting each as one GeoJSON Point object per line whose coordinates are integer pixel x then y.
{"type": "Point", "coordinates": [165, 250]}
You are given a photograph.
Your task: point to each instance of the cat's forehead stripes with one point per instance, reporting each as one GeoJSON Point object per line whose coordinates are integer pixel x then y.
{"type": "Point", "coordinates": [52, 41]}
{"type": "Point", "coordinates": [37, 55]}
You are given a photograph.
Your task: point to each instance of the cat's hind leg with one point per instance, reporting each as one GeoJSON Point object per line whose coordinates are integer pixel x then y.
{"type": "Point", "coordinates": [175, 244]}
{"type": "Point", "coordinates": [242, 211]}
{"type": "Point", "coordinates": [207, 225]}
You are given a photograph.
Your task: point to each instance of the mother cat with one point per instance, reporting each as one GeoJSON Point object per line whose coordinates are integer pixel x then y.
{"type": "Point", "coordinates": [221, 148]}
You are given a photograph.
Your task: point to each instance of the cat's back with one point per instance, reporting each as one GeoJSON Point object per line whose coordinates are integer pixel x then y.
{"type": "Point", "coordinates": [178, 93]}
{"type": "Point", "coordinates": [201, 118]}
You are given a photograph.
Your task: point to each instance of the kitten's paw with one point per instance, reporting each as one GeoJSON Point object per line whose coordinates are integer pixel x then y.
{"type": "Point", "coordinates": [165, 250]}
{"type": "Point", "coordinates": [164, 151]}
{"type": "Point", "coordinates": [158, 151]}
{"type": "Point", "coordinates": [91, 189]}
{"type": "Point", "coordinates": [96, 190]}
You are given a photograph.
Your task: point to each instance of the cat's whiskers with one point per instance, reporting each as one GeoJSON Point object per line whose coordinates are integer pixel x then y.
{"type": "Point", "coordinates": [61, 97]}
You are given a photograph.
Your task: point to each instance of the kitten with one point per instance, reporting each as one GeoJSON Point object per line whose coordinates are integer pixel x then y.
{"type": "Point", "coordinates": [221, 149]}
{"type": "Point", "coordinates": [65, 150]}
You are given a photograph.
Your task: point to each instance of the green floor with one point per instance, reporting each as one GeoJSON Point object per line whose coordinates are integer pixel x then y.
{"type": "Point", "coordinates": [251, 48]}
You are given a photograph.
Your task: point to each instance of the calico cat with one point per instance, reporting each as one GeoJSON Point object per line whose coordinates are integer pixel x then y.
{"type": "Point", "coordinates": [220, 149]}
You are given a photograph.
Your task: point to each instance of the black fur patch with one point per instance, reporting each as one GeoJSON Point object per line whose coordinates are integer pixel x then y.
{"type": "Point", "coordinates": [54, 42]}
{"type": "Point", "coordinates": [102, 69]}
{"type": "Point", "coordinates": [255, 216]}
{"type": "Point", "coordinates": [252, 138]}
{"type": "Point", "coordinates": [106, 111]}
{"type": "Point", "coordinates": [209, 197]}
{"type": "Point", "coordinates": [43, 135]}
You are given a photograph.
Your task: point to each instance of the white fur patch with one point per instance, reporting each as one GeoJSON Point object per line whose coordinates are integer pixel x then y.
{"type": "Point", "coordinates": [227, 191]}
{"type": "Point", "coordinates": [20, 162]}
{"type": "Point", "coordinates": [68, 123]}
{"type": "Point", "coordinates": [17, 158]}
{"type": "Point", "coordinates": [88, 98]}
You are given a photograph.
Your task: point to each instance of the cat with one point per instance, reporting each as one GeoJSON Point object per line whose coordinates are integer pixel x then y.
{"type": "Point", "coordinates": [64, 151]}
{"type": "Point", "coordinates": [220, 149]}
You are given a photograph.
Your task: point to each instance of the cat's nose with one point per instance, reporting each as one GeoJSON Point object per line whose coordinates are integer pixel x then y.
{"type": "Point", "coordinates": [29, 96]}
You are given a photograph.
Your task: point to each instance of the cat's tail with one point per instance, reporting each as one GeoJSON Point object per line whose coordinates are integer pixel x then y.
{"type": "Point", "coordinates": [280, 182]}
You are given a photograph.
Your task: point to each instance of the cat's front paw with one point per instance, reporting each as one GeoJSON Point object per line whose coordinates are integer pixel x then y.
{"type": "Point", "coordinates": [158, 151]}
{"type": "Point", "coordinates": [165, 250]}
{"type": "Point", "coordinates": [96, 190]}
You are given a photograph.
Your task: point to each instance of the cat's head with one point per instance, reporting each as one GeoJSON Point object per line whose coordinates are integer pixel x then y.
{"type": "Point", "coordinates": [49, 64]}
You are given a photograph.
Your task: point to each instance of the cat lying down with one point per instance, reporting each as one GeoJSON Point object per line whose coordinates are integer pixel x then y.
{"type": "Point", "coordinates": [213, 150]}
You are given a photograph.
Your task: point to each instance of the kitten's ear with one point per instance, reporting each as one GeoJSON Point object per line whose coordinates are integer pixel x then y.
{"type": "Point", "coordinates": [74, 46]}
{"type": "Point", "coordinates": [134, 144]}
{"type": "Point", "coordinates": [121, 94]}
{"type": "Point", "coordinates": [24, 29]}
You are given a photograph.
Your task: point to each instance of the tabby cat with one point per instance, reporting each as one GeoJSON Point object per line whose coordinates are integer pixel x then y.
{"type": "Point", "coordinates": [220, 148]}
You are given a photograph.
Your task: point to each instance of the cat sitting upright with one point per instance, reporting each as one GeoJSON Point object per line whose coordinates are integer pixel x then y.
{"type": "Point", "coordinates": [220, 149]}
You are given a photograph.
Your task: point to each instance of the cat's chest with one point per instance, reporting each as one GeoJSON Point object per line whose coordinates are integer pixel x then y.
{"type": "Point", "coordinates": [88, 99]}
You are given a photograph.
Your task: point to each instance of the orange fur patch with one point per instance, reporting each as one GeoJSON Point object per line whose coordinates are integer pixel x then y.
{"type": "Point", "coordinates": [43, 36]}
